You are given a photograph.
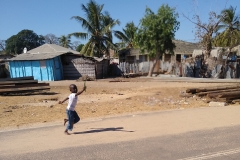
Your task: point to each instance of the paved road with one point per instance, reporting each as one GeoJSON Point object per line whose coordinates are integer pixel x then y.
{"type": "Point", "coordinates": [203, 133]}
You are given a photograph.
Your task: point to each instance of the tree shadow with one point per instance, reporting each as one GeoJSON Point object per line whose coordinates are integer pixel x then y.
{"type": "Point", "coordinates": [97, 130]}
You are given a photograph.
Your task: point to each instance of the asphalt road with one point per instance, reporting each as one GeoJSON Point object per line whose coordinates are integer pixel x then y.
{"type": "Point", "coordinates": [207, 133]}
{"type": "Point", "coordinates": [221, 144]}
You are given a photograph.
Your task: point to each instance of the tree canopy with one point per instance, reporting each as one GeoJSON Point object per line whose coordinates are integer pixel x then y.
{"type": "Point", "coordinates": [79, 47]}
{"type": "Point", "coordinates": [65, 41]}
{"type": "Point", "coordinates": [128, 35]}
{"type": "Point", "coordinates": [96, 29]}
{"type": "Point", "coordinates": [157, 31]}
{"type": "Point", "coordinates": [107, 24]}
{"type": "Point", "coordinates": [25, 38]}
{"type": "Point", "coordinates": [230, 24]}
{"type": "Point", "coordinates": [221, 30]}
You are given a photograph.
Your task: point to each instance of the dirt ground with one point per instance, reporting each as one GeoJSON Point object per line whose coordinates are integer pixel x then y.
{"type": "Point", "coordinates": [102, 98]}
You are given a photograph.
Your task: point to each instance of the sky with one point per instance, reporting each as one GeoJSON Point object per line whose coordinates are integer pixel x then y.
{"type": "Point", "coordinates": [54, 16]}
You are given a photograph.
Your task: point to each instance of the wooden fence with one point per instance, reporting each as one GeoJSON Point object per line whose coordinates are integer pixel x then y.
{"type": "Point", "coordinates": [136, 68]}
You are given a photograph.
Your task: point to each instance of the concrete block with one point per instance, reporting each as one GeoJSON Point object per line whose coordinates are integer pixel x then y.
{"type": "Point", "coordinates": [217, 104]}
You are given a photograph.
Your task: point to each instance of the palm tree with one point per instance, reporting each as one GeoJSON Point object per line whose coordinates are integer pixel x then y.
{"type": "Point", "coordinates": [128, 35]}
{"type": "Point", "coordinates": [96, 30]}
{"type": "Point", "coordinates": [227, 39]}
{"type": "Point", "coordinates": [231, 25]}
{"type": "Point", "coordinates": [108, 23]}
{"type": "Point", "coordinates": [65, 41]}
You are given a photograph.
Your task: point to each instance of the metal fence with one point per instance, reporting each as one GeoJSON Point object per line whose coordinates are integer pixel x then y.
{"type": "Point", "coordinates": [142, 67]}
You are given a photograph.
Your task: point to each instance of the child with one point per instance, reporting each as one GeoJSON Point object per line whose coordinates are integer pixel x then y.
{"type": "Point", "coordinates": [71, 113]}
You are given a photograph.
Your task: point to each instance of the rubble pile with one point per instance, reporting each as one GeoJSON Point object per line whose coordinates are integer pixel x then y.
{"type": "Point", "coordinates": [219, 64]}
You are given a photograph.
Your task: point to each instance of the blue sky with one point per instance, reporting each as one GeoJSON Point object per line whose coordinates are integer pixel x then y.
{"type": "Point", "coordinates": [53, 16]}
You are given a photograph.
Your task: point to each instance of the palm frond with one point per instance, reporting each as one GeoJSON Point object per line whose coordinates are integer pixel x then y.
{"type": "Point", "coordinates": [121, 36]}
{"type": "Point", "coordinates": [84, 8]}
{"type": "Point", "coordinates": [65, 41]}
{"type": "Point", "coordinates": [86, 48]}
{"type": "Point", "coordinates": [94, 15]}
{"type": "Point", "coordinates": [79, 35]}
{"type": "Point", "coordinates": [109, 42]}
{"type": "Point", "coordinates": [85, 24]}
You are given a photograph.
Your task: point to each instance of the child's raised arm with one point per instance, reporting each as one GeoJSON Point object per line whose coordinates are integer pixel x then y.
{"type": "Point", "coordinates": [80, 92]}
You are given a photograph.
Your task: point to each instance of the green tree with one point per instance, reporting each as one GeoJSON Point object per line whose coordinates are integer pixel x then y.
{"type": "Point", "coordinates": [127, 37]}
{"type": "Point", "coordinates": [65, 41]}
{"type": "Point", "coordinates": [230, 24]}
{"type": "Point", "coordinates": [25, 38]}
{"type": "Point", "coordinates": [96, 30]}
{"type": "Point", "coordinates": [107, 24]}
{"type": "Point", "coordinates": [79, 48]}
{"type": "Point", "coordinates": [157, 31]}
{"type": "Point", "coordinates": [227, 39]}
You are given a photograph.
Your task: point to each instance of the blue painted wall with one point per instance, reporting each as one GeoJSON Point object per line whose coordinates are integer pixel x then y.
{"type": "Point", "coordinates": [44, 70]}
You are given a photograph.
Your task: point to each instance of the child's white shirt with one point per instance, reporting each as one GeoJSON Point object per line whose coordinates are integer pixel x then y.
{"type": "Point", "coordinates": [72, 101]}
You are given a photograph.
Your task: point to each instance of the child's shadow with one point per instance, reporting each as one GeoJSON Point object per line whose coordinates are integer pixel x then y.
{"type": "Point", "coordinates": [97, 130]}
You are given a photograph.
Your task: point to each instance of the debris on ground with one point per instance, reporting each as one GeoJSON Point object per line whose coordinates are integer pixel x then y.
{"type": "Point", "coordinates": [21, 85]}
{"type": "Point", "coordinates": [228, 94]}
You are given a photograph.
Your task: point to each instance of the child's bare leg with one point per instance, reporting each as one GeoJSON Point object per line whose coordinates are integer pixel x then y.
{"type": "Point", "coordinates": [68, 127]}
{"type": "Point", "coordinates": [65, 121]}
{"type": "Point", "coordinates": [66, 132]}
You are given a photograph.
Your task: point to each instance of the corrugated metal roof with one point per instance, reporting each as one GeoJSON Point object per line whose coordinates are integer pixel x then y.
{"type": "Point", "coordinates": [46, 51]}
{"type": "Point", "coordinates": [215, 52]}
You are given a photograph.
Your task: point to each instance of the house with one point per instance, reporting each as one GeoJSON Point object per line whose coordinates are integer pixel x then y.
{"type": "Point", "coordinates": [76, 65]}
{"type": "Point", "coordinates": [132, 58]}
{"type": "Point", "coordinates": [132, 55]}
{"type": "Point", "coordinates": [182, 51]}
{"type": "Point", "coordinates": [51, 62]}
{"type": "Point", "coordinates": [132, 61]}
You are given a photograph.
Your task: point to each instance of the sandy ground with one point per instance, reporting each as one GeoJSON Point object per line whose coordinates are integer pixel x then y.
{"type": "Point", "coordinates": [102, 98]}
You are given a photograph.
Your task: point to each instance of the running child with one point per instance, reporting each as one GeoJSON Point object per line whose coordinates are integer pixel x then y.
{"type": "Point", "coordinates": [72, 102]}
